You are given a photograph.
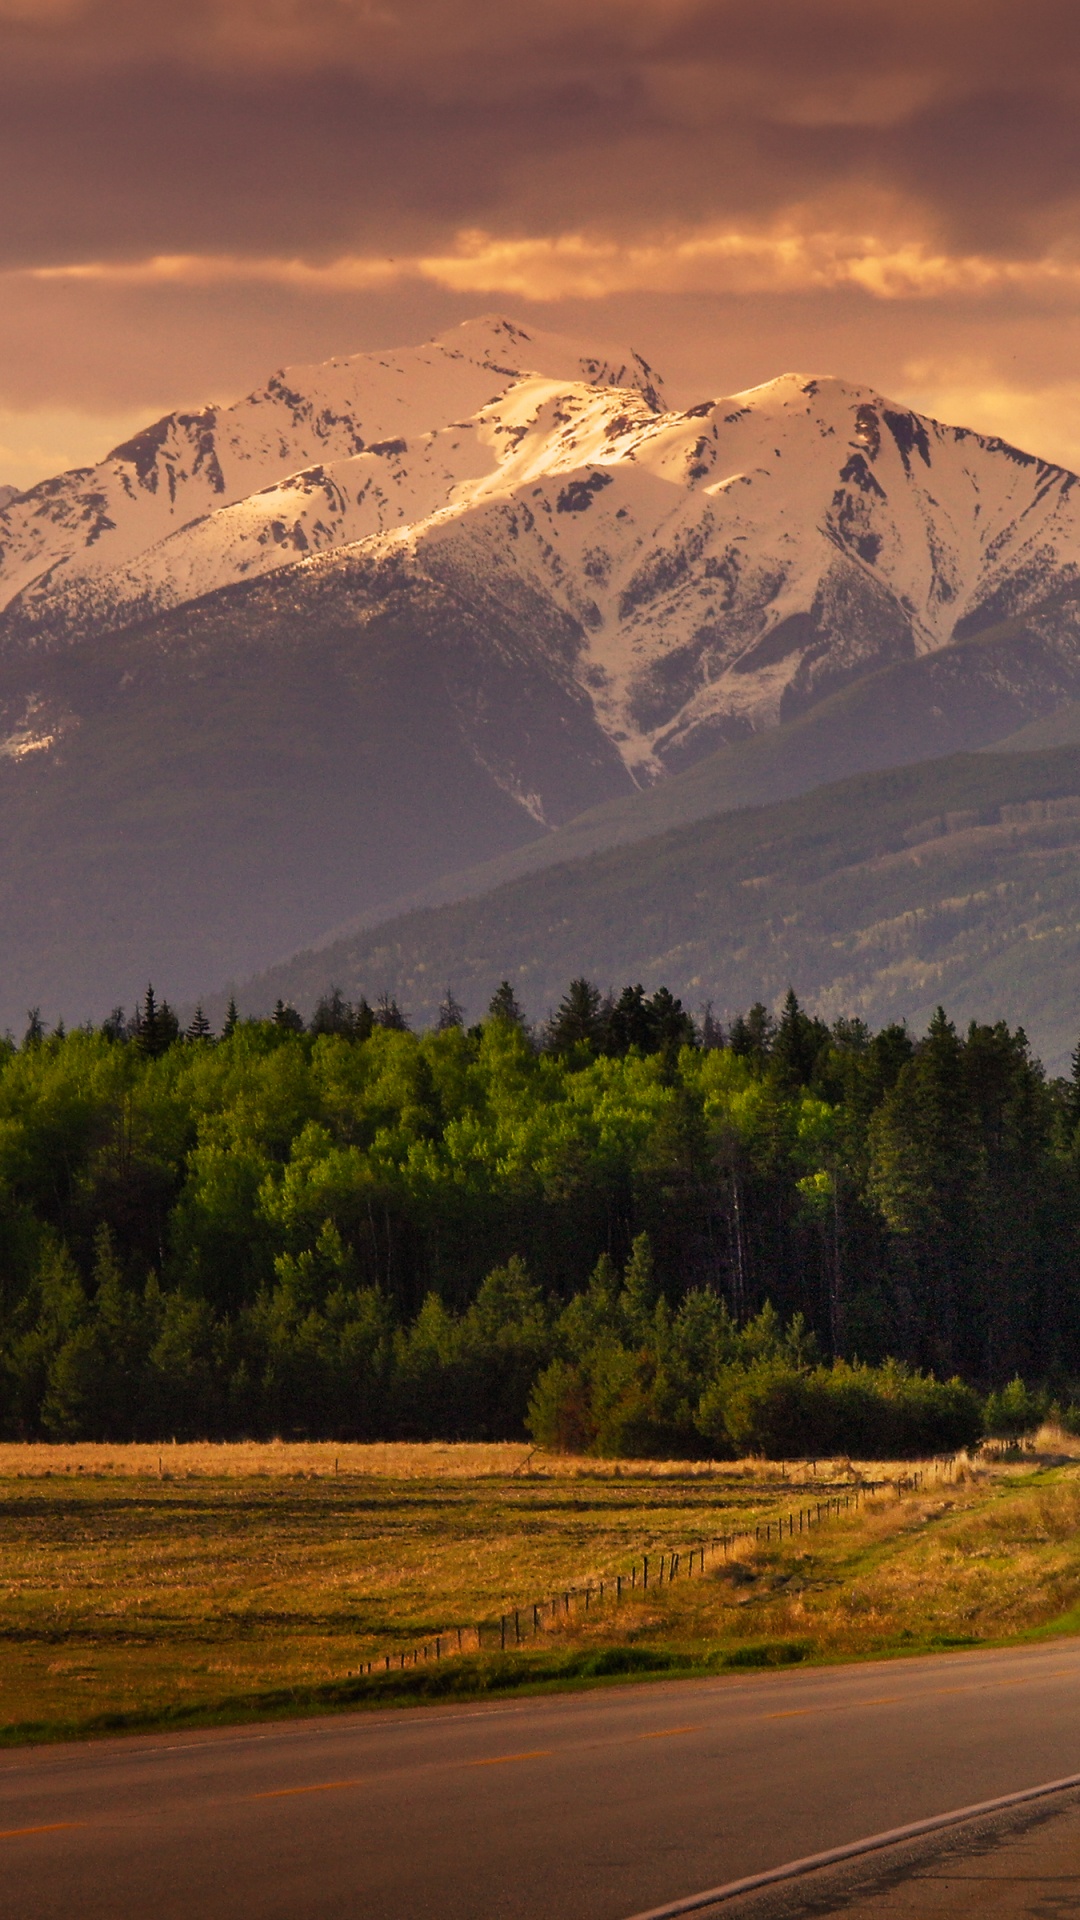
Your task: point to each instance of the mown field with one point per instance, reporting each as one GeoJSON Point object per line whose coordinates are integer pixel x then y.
{"type": "Point", "coordinates": [140, 1584]}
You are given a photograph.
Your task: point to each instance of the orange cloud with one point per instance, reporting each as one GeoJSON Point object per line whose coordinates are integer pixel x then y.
{"type": "Point", "coordinates": [782, 259]}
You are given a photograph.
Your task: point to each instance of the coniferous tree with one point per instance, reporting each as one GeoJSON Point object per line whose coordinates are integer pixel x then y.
{"type": "Point", "coordinates": [671, 1024]}
{"type": "Point", "coordinates": [504, 1005]}
{"type": "Point", "coordinates": [286, 1017]}
{"type": "Point", "coordinates": [389, 1015]}
{"type": "Point", "coordinates": [451, 1013]}
{"type": "Point", "coordinates": [199, 1027]}
{"type": "Point", "coordinates": [147, 1024]}
{"type": "Point", "coordinates": [35, 1029]}
{"type": "Point", "coordinates": [752, 1035]}
{"type": "Point", "coordinates": [156, 1027]}
{"type": "Point", "coordinates": [712, 1032]}
{"type": "Point", "coordinates": [579, 1020]}
{"type": "Point", "coordinates": [232, 1019]}
{"type": "Point", "coordinates": [797, 1044]}
{"type": "Point", "coordinates": [332, 1014]}
{"type": "Point", "coordinates": [630, 1022]}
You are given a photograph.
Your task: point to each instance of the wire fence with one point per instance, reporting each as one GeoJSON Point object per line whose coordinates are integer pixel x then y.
{"type": "Point", "coordinates": [648, 1572]}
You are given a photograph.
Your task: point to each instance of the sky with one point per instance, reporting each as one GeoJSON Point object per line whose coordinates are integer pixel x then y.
{"type": "Point", "coordinates": [194, 192]}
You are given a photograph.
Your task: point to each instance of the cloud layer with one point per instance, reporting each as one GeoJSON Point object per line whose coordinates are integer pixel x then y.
{"type": "Point", "coordinates": [417, 157]}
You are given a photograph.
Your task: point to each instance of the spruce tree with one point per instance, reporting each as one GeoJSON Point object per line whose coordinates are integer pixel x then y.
{"type": "Point", "coordinates": [712, 1032]}
{"type": "Point", "coordinates": [630, 1023]}
{"type": "Point", "coordinates": [389, 1015]}
{"type": "Point", "coordinates": [752, 1035]}
{"type": "Point", "coordinates": [286, 1017]}
{"type": "Point", "coordinates": [199, 1028]}
{"type": "Point", "coordinates": [451, 1013]}
{"type": "Point", "coordinates": [332, 1014]}
{"type": "Point", "coordinates": [579, 1019]}
{"type": "Point", "coordinates": [504, 1005]}
{"type": "Point", "coordinates": [147, 1025]}
{"type": "Point", "coordinates": [671, 1024]}
{"type": "Point", "coordinates": [232, 1019]}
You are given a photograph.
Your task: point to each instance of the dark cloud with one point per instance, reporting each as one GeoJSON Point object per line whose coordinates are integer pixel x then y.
{"type": "Point", "coordinates": [308, 125]}
{"type": "Point", "coordinates": [312, 129]}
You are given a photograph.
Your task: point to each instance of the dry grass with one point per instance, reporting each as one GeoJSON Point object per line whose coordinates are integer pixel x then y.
{"type": "Point", "coordinates": [394, 1460]}
{"type": "Point", "coordinates": [125, 1587]}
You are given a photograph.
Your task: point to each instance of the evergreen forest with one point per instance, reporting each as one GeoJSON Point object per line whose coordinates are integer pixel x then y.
{"type": "Point", "coordinates": [630, 1232]}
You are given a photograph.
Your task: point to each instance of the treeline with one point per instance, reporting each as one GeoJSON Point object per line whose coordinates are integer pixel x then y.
{"type": "Point", "coordinates": [627, 1232]}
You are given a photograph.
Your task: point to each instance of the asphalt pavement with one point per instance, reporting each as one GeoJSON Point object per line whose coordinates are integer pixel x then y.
{"type": "Point", "coordinates": [589, 1806]}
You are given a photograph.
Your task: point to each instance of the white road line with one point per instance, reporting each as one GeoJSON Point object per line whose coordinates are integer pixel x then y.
{"type": "Point", "coordinates": [693, 1902]}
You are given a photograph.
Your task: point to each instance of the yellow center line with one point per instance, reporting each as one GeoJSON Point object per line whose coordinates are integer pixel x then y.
{"type": "Point", "coordinates": [666, 1733]}
{"type": "Point", "coordinates": [794, 1713]}
{"type": "Point", "coordinates": [504, 1759]}
{"type": "Point", "coordinates": [54, 1826]}
{"type": "Point", "coordinates": [323, 1786]}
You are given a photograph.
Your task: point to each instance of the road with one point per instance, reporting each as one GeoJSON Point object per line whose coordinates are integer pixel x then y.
{"type": "Point", "coordinates": [590, 1806]}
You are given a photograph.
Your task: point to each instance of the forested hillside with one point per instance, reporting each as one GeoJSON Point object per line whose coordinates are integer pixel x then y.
{"type": "Point", "coordinates": [954, 880]}
{"type": "Point", "coordinates": [622, 1230]}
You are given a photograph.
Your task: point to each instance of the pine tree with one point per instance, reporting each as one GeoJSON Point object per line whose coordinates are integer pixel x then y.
{"type": "Point", "coordinates": [712, 1032]}
{"type": "Point", "coordinates": [232, 1019]}
{"type": "Point", "coordinates": [147, 1027]}
{"type": "Point", "coordinates": [798, 1042]}
{"type": "Point", "coordinates": [286, 1017]}
{"type": "Point", "coordinates": [579, 1020]}
{"type": "Point", "coordinates": [332, 1014]}
{"type": "Point", "coordinates": [504, 1005]}
{"type": "Point", "coordinates": [389, 1015]}
{"type": "Point", "coordinates": [639, 1289]}
{"type": "Point", "coordinates": [671, 1024]}
{"type": "Point", "coordinates": [156, 1027]}
{"type": "Point", "coordinates": [451, 1013]}
{"type": "Point", "coordinates": [630, 1023]}
{"type": "Point", "coordinates": [752, 1035]}
{"type": "Point", "coordinates": [199, 1029]}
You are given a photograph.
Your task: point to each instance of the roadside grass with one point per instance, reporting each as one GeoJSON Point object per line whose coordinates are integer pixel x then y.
{"type": "Point", "coordinates": [247, 1581]}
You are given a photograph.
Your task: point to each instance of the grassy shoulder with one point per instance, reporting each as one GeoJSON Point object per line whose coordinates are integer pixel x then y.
{"type": "Point", "coordinates": [250, 1582]}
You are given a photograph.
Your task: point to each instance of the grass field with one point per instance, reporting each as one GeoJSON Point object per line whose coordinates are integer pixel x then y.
{"type": "Point", "coordinates": [140, 1584]}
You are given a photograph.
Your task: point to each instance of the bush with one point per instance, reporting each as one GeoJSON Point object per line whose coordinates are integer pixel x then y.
{"type": "Point", "coordinates": [1014, 1411]}
{"type": "Point", "coordinates": [781, 1411]}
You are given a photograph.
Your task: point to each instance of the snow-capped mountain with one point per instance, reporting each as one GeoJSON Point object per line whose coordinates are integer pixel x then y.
{"type": "Point", "coordinates": [717, 569]}
{"type": "Point", "coordinates": [274, 665]}
{"type": "Point", "coordinates": [201, 499]}
{"type": "Point", "coordinates": [7, 495]}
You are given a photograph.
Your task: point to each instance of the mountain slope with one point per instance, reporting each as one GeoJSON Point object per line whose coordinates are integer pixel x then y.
{"type": "Point", "coordinates": [957, 880]}
{"type": "Point", "coordinates": [978, 695]}
{"type": "Point", "coordinates": [154, 524]}
{"type": "Point", "coordinates": [222, 789]}
{"type": "Point", "coordinates": [271, 666]}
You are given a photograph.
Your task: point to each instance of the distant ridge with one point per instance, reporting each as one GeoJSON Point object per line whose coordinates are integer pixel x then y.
{"type": "Point", "coordinates": [954, 881]}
